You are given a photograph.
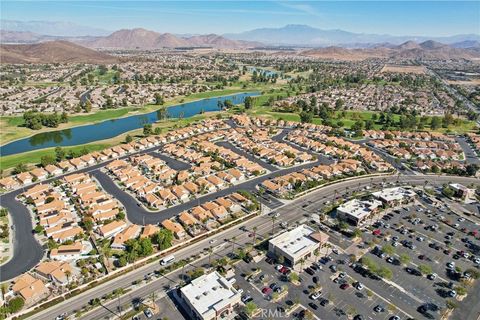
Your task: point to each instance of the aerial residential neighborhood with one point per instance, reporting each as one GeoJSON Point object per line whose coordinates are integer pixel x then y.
{"type": "Point", "coordinates": [240, 160]}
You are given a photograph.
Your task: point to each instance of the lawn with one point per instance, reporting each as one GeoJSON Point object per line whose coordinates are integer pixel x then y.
{"type": "Point", "coordinates": [350, 118]}
{"type": "Point", "coordinates": [33, 157]}
{"type": "Point", "coordinates": [12, 130]}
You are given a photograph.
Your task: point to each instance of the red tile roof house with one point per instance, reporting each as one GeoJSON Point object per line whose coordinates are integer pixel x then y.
{"type": "Point", "coordinates": [39, 173]}
{"type": "Point", "coordinates": [24, 178]}
{"type": "Point", "coordinates": [153, 201]}
{"type": "Point", "coordinates": [111, 229]}
{"type": "Point", "coordinates": [175, 227]}
{"type": "Point", "coordinates": [78, 163]}
{"type": "Point", "coordinates": [9, 183]}
{"type": "Point", "coordinates": [65, 166]}
{"type": "Point", "coordinates": [53, 170]}
{"type": "Point", "coordinates": [131, 232]}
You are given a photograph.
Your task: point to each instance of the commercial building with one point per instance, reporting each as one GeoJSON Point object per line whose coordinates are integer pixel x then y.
{"type": "Point", "coordinates": [297, 244]}
{"type": "Point", "coordinates": [395, 196]}
{"type": "Point", "coordinates": [210, 296]}
{"type": "Point", "coordinates": [357, 211]}
{"type": "Point", "coordinates": [461, 191]}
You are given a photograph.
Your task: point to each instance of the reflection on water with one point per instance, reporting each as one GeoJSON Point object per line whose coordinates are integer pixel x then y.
{"type": "Point", "coordinates": [55, 136]}
{"type": "Point", "coordinates": [111, 128]}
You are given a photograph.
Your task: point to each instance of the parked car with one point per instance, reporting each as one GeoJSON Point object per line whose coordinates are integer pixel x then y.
{"type": "Point", "coordinates": [345, 286]}
{"type": "Point", "coordinates": [378, 308]}
{"type": "Point", "coordinates": [148, 313]}
{"type": "Point", "coordinates": [315, 295]}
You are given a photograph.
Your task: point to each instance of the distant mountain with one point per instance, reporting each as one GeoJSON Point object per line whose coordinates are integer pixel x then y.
{"type": "Point", "coordinates": [304, 35]}
{"type": "Point", "coordinates": [7, 36]}
{"type": "Point", "coordinates": [408, 50]}
{"type": "Point", "coordinates": [145, 39]}
{"type": "Point", "coordinates": [52, 28]}
{"type": "Point", "coordinates": [51, 52]}
{"type": "Point", "coordinates": [466, 44]}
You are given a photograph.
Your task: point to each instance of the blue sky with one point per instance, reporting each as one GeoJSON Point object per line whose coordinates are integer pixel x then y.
{"type": "Point", "coordinates": [435, 18]}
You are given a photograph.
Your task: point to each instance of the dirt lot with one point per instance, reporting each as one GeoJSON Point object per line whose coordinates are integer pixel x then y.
{"type": "Point", "coordinates": [471, 82]}
{"type": "Point", "coordinates": [404, 69]}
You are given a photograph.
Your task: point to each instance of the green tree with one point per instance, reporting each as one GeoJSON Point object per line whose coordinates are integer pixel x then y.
{"type": "Point", "coordinates": [248, 102]}
{"type": "Point", "coordinates": [59, 154]}
{"type": "Point", "coordinates": [128, 138]}
{"type": "Point", "coordinates": [163, 239]}
{"type": "Point", "coordinates": [46, 160]}
{"type": "Point", "coordinates": [147, 129]}
{"type": "Point", "coordinates": [425, 269]}
{"type": "Point", "coordinates": [404, 259]}
{"type": "Point", "coordinates": [15, 304]}
{"type": "Point", "coordinates": [19, 168]}
{"type": "Point", "coordinates": [388, 249]}
{"type": "Point", "coordinates": [306, 117]}
{"type": "Point", "coordinates": [250, 308]}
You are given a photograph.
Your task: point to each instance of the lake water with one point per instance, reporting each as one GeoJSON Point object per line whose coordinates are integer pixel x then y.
{"type": "Point", "coordinates": [112, 128]}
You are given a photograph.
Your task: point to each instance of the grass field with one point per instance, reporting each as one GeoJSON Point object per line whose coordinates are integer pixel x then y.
{"type": "Point", "coordinates": [12, 126]}
{"type": "Point", "coordinates": [351, 117]}
{"type": "Point", "coordinates": [33, 157]}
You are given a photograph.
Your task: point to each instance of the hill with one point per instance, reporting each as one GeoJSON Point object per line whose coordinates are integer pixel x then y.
{"type": "Point", "coordinates": [408, 50]}
{"type": "Point", "coordinates": [145, 39]}
{"type": "Point", "coordinates": [51, 52]}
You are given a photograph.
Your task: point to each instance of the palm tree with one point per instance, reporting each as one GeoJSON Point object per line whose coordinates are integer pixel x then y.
{"type": "Point", "coordinates": [233, 243]}
{"type": "Point", "coordinates": [68, 273]}
{"type": "Point", "coordinates": [302, 261]}
{"type": "Point", "coordinates": [273, 222]}
{"type": "Point", "coordinates": [210, 251]}
{"type": "Point", "coordinates": [254, 235]}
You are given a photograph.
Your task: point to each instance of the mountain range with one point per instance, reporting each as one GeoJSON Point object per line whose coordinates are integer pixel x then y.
{"type": "Point", "coordinates": [145, 39]}
{"type": "Point", "coordinates": [304, 35]}
{"type": "Point", "coordinates": [408, 50]}
{"type": "Point", "coordinates": [14, 31]}
{"type": "Point", "coordinates": [52, 28]}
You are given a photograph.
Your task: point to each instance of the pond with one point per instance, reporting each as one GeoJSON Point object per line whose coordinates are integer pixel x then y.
{"type": "Point", "coordinates": [112, 128]}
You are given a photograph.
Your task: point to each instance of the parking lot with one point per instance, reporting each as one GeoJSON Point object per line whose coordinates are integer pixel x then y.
{"type": "Point", "coordinates": [436, 241]}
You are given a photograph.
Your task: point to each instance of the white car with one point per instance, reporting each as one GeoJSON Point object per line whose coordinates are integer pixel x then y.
{"type": "Point", "coordinates": [148, 313]}
{"type": "Point", "coordinates": [315, 295]}
{"type": "Point", "coordinates": [212, 241]}
{"type": "Point", "coordinates": [278, 267]}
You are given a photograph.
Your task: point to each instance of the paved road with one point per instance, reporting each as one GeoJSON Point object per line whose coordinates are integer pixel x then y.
{"type": "Point", "coordinates": [281, 138]}
{"type": "Point", "coordinates": [470, 155]}
{"type": "Point", "coordinates": [291, 213]}
{"type": "Point", "coordinates": [27, 252]}
{"type": "Point", "coordinates": [171, 162]}
{"type": "Point", "coordinates": [247, 155]}
{"type": "Point", "coordinates": [138, 215]}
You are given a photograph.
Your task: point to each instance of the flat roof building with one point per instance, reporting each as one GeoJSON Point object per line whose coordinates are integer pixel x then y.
{"type": "Point", "coordinates": [210, 296]}
{"type": "Point", "coordinates": [394, 195]}
{"type": "Point", "coordinates": [356, 211]}
{"type": "Point", "coordinates": [297, 244]}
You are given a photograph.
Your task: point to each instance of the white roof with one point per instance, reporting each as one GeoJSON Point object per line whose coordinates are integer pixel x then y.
{"type": "Point", "coordinates": [393, 194]}
{"type": "Point", "coordinates": [359, 209]}
{"type": "Point", "coordinates": [209, 292]}
{"type": "Point", "coordinates": [296, 241]}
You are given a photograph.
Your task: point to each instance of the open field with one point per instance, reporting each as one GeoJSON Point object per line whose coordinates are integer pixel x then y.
{"type": "Point", "coordinates": [471, 82]}
{"type": "Point", "coordinates": [404, 69]}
